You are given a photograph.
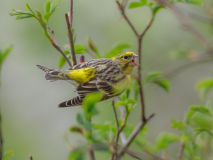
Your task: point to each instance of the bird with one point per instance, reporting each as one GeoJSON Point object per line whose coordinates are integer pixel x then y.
{"type": "Point", "coordinates": [110, 76]}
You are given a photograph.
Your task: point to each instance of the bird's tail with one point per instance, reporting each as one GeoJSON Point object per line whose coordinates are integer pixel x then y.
{"type": "Point", "coordinates": [76, 101]}
{"type": "Point", "coordinates": [52, 74]}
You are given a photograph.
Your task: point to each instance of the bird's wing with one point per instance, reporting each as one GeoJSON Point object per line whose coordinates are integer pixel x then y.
{"type": "Point", "coordinates": [109, 80]}
{"type": "Point", "coordinates": [83, 72]}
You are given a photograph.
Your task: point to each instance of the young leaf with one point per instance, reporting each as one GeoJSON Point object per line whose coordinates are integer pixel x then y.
{"type": "Point", "coordinates": [47, 6]}
{"type": "Point", "coordinates": [39, 16]}
{"type": "Point", "coordinates": [76, 155]}
{"type": "Point", "coordinates": [29, 9]}
{"type": "Point", "coordinates": [61, 62]}
{"type": "Point", "coordinates": [197, 2]}
{"type": "Point", "coordinates": [119, 103]}
{"type": "Point", "coordinates": [177, 124]}
{"type": "Point", "coordinates": [47, 16]}
{"type": "Point", "coordinates": [76, 129]}
{"type": "Point", "coordinates": [117, 50]}
{"type": "Point", "coordinates": [165, 139]}
{"type": "Point", "coordinates": [89, 104]}
{"type": "Point", "coordinates": [8, 155]}
{"type": "Point", "coordinates": [163, 83]}
{"type": "Point", "coordinates": [80, 49]}
{"type": "Point", "coordinates": [22, 16]}
{"type": "Point", "coordinates": [80, 119]}
{"type": "Point", "coordinates": [153, 75]}
{"type": "Point", "coordinates": [201, 109]}
{"type": "Point", "coordinates": [93, 47]}
{"type": "Point", "coordinates": [205, 86]}
{"type": "Point", "coordinates": [4, 54]}
{"type": "Point", "coordinates": [136, 4]}
{"type": "Point", "coordinates": [156, 9]}
{"type": "Point", "coordinates": [54, 5]}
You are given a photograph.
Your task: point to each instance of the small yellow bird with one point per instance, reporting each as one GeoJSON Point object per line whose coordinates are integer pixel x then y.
{"type": "Point", "coordinates": [108, 76]}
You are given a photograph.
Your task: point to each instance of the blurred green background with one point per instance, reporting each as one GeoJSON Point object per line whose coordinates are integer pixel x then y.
{"type": "Point", "coordinates": [32, 122]}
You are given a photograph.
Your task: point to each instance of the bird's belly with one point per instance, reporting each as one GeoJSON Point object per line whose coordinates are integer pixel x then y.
{"type": "Point", "coordinates": [120, 86]}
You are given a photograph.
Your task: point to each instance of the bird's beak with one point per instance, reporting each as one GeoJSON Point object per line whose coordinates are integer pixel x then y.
{"type": "Point", "coordinates": [133, 61]}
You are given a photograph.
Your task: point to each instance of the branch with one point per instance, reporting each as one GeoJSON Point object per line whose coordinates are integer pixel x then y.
{"type": "Point", "coordinates": [180, 154]}
{"type": "Point", "coordinates": [132, 136]}
{"type": "Point", "coordinates": [71, 13]}
{"type": "Point", "coordinates": [120, 6]}
{"type": "Point", "coordinates": [116, 116]}
{"type": "Point", "coordinates": [186, 24]}
{"type": "Point", "coordinates": [70, 35]}
{"type": "Point", "coordinates": [185, 63]}
{"type": "Point", "coordinates": [1, 139]}
{"type": "Point", "coordinates": [31, 157]}
{"type": "Point", "coordinates": [55, 44]}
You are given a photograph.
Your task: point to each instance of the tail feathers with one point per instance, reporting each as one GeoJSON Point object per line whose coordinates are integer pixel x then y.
{"type": "Point", "coordinates": [76, 101]}
{"type": "Point", "coordinates": [51, 74]}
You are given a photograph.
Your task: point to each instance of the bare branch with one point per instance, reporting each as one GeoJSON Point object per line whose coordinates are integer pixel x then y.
{"type": "Point", "coordinates": [71, 13]}
{"type": "Point", "coordinates": [116, 116]}
{"type": "Point", "coordinates": [60, 50]}
{"type": "Point", "coordinates": [70, 35]}
{"type": "Point", "coordinates": [120, 6]}
{"type": "Point", "coordinates": [31, 157]}
{"type": "Point", "coordinates": [53, 34]}
{"type": "Point", "coordinates": [186, 23]}
{"type": "Point", "coordinates": [132, 136]}
{"type": "Point", "coordinates": [1, 139]}
{"type": "Point", "coordinates": [180, 154]}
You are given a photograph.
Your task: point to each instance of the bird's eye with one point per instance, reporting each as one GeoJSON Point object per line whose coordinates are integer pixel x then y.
{"type": "Point", "coordinates": [125, 57]}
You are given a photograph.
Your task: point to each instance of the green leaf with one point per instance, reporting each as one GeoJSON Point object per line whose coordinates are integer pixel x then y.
{"type": "Point", "coordinates": [8, 155]}
{"type": "Point", "coordinates": [156, 9]}
{"type": "Point", "coordinates": [39, 16]}
{"type": "Point", "coordinates": [177, 124]}
{"type": "Point", "coordinates": [201, 109]}
{"type": "Point", "coordinates": [88, 125]}
{"type": "Point", "coordinates": [47, 16]}
{"type": "Point", "coordinates": [144, 1]}
{"type": "Point", "coordinates": [163, 83]}
{"type": "Point", "coordinates": [93, 47]}
{"type": "Point", "coordinates": [54, 5]}
{"type": "Point", "coordinates": [205, 86]}
{"type": "Point", "coordinates": [61, 62]}
{"type": "Point", "coordinates": [117, 50]}
{"type": "Point", "coordinates": [4, 53]}
{"type": "Point", "coordinates": [197, 2]}
{"type": "Point", "coordinates": [136, 4]}
{"type": "Point", "coordinates": [165, 139]}
{"type": "Point", "coordinates": [89, 104]}
{"type": "Point", "coordinates": [80, 119]}
{"type": "Point", "coordinates": [29, 9]}
{"type": "Point", "coordinates": [76, 129]}
{"type": "Point", "coordinates": [47, 6]}
{"type": "Point", "coordinates": [22, 16]}
{"type": "Point", "coordinates": [76, 155]}
{"type": "Point", "coordinates": [80, 49]}
{"type": "Point", "coordinates": [152, 76]}
{"type": "Point", "coordinates": [119, 103]}
{"type": "Point", "coordinates": [136, 90]}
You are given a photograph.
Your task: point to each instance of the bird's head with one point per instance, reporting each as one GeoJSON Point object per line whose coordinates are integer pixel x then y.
{"type": "Point", "coordinates": [126, 61]}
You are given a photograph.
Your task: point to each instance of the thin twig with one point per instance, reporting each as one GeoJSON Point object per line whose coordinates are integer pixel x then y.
{"type": "Point", "coordinates": [120, 6]}
{"type": "Point", "coordinates": [53, 34]}
{"type": "Point", "coordinates": [70, 35]}
{"type": "Point", "coordinates": [1, 139]}
{"type": "Point", "coordinates": [186, 23]}
{"type": "Point", "coordinates": [31, 157]}
{"type": "Point", "coordinates": [132, 136]}
{"type": "Point", "coordinates": [116, 116]}
{"type": "Point", "coordinates": [60, 50]}
{"type": "Point", "coordinates": [180, 154]}
{"type": "Point", "coordinates": [175, 68]}
{"type": "Point", "coordinates": [71, 13]}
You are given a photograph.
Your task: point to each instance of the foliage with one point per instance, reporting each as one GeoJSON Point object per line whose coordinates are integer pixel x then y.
{"type": "Point", "coordinates": [4, 53]}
